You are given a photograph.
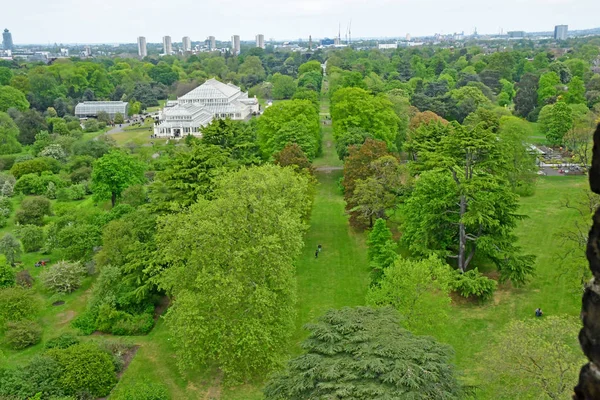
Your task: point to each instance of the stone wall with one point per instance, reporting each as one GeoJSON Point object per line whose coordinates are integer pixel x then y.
{"type": "Point", "coordinates": [589, 336]}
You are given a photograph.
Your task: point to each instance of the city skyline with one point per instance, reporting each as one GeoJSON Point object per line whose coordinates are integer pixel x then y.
{"type": "Point", "coordinates": [292, 19]}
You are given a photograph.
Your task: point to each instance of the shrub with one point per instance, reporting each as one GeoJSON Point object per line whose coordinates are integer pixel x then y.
{"type": "Point", "coordinates": [32, 237]}
{"type": "Point", "coordinates": [130, 325]}
{"type": "Point", "coordinates": [62, 342]}
{"type": "Point", "coordinates": [6, 206]}
{"type": "Point", "coordinates": [33, 210]}
{"type": "Point", "coordinates": [54, 151]}
{"type": "Point", "coordinates": [76, 192]}
{"type": "Point", "coordinates": [64, 277]}
{"type": "Point", "coordinates": [85, 323]}
{"type": "Point", "coordinates": [81, 174]}
{"type": "Point", "coordinates": [35, 166]}
{"type": "Point", "coordinates": [7, 275]}
{"type": "Point", "coordinates": [135, 196]}
{"type": "Point", "coordinates": [91, 125]}
{"type": "Point", "coordinates": [144, 390]}
{"type": "Point", "coordinates": [10, 247]}
{"type": "Point", "coordinates": [22, 334]}
{"type": "Point", "coordinates": [40, 375]}
{"type": "Point", "coordinates": [85, 367]}
{"type": "Point", "coordinates": [24, 279]}
{"type": "Point", "coordinates": [473, 283]}
{"type": "Point", "coordinates": [7, 161]}
{"type": "Point", "coordinates": [16, 304]}
{"type": "Point", "coordinates": [78, 241]}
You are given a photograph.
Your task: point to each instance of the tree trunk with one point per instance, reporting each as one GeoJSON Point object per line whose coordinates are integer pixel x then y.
{"type": "Point", "coordinates": [462, 235]}
{"type": "Point", "coordinates": [113, 198]}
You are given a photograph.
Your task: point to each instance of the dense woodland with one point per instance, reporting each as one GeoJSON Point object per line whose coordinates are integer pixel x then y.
{"type": "Point", "coordinates": [206, 236]}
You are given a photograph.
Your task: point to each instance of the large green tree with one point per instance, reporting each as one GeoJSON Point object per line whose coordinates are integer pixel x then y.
{"type": "Point", "coordinates": [284, 86]}
{"type": "Point", "coordinates": [233, 285]}
{"type": "Point", "coordinates": [362, 353]}
{"type": "Point", "coordinates": [462, 205]}
{"type": "Point", "coordinates": [8, 135]}
{"type": "Point", "coordinates": [12, 98]}
{"type": "Point", "coordinates": [113, 173]}
{"type": "Point", "coordinates": [555, 121]}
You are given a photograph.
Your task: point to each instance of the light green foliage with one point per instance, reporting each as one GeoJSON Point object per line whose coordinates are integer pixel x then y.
{"type": "Point", "coordinates": [468, 99]}
{"type": "Point", "coordinates": [35, 166]}
{"type": "Point", "coordinates": [142, 390]}
{"type": "Point", "coordinates": [6, 75]}
{"type": "Point", "coordinates": [31, 236]}
{"type": "Point", "coordinates": [313, 66]}
{"type": "Point", "coordinates": [419, 290]}
{"type": "Point", "coordinates": [356, 108]}
{"type": "Point", "coordinates": [537, 357]}
{"type": "Point", "coordinates": [10, 247]}
{"type": "Point", "coordinates": [33, 210]}
{"type": "Point", "coordinates": [85, 367]}
{"type": "Point", "coordinates": [473, 284]}
{"type": "Point", "coordinates": [346, 346]}
{"type": "Point", "coordinates": [62, 341]}
{"type": "Point", "coordinates": [39, 376]}
{"type": "Point", "coordinates": [576, 92]}
{"type": "Point", "coordinates": [284, 86]}
{"type": "Point", "coordinates": [8, 135]}
{"type": "Point", "coordinates": [63, 277]}
{"type": "Point", "coordinates": [7, 273]}
{"type": "Point", "coordinates": [113, 173]}
{"type": "Point", "coordinates": [119, 118]}
{"type": "Point", "coordinates": [22, 334]}
{"type": "Point", "coordinates": [16, 304]}
{"type": "Point", "coordinates": [548, 87]}
{"type": "Point", "coordinates": [294, 121]}
{"type": "Point", "coordinates": [12, 98]}
{"type": "Point", "coordinates": [520, 168]}
{"type": "Point", "coordinates": [555, 121]}
{"type": "Point", "coordinates": [508, 88]}
{"type": "Point", "coordinates": [234, 284]}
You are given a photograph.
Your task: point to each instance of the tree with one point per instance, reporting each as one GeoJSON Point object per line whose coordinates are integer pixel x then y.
{"type": "Point", "coordinates": [7, 274]}
{"type": "Point", "coordinates": [30, 123]}
{"type": "Point", "coordinates": [189, 177]}
{"type": "Point", "coordinates": [119, 118]}
{"type": "Point", "coordinates": [576, 92]}
{"type": "Point", "coordinates": [8, 135]}
{"type": "Point", "coordinates": [346, 346]}
{"type": "Point", "coordinates": [309, 66]}
{"type": "Point", "coordinates": [468, 99]}
{"type": "Point", "coordinates": [22, 334]}
{"type": "Point", "coordinates": [294, 121]}
{"type": "Point", "coordinates": [103, 116]}
{"type": "Point", "coordinates": [33, 210]}
{"type": "Point", "coordinates": [537, 356]}
{"type": "Point", "coordinates": [526, 99]}
{"type": "Point", "coordinates": [283, 86]}
{"type": "Point", "coordinates": [419, 290]}
{"type": "Point", "coordinates": [12, 98]}
{"type": "Point", "coordinates": [113, 173]}
{"type": "Point", "coordinates": [556, 120]}
{"type": "Point", "coordinates": [382, 249]}
{"type": "Point", "coordinates": [462, 205]}
{"type": "Point", "coordinates": [292, 155]}
{"type": "Point", "coordinates": [246, 243]}
{"type": "Point", "coordinates": [548, 88]}
{"type": "Point", "coordinates": [64, 277]}
{"type": "Point", "coordinates": [252, 71]}
{"type": "Point", "coordinates": [32, 237]}
{"type": "Point", "coordinates": [520, 170]}
{"type": "Point", "coordinates": [10, 247]}
{"type": "Point", "coordinates": [16, 304]}
{"type": "Point", "coordinates": [356, 108]}
{"type": "Point", "coordinates": [5, 76]}
{"type": "Point", "coordinates": [357, 166]}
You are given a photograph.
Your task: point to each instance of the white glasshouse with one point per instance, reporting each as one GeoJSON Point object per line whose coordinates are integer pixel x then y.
{"type": "Point", "coordinates": [92, 108]}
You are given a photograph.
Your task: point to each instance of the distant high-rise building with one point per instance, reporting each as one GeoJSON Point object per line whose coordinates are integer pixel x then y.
{"type": "Point", "coordinates": [142, 51]}
{"type": "Point", "coordinates": [516, 34]}
{"type": "Point", "coordinates": [167, 46]}
{"type": "Point", "coordinates": [211, 42]}
{"type": "Point", "coordinates": [235, 44]}
{"type": "Point", "coordinates": [87, 51]}
{"type": "Point", "coordinates": [408, 37]}
{"type": "Point", "coordinates": [560, 32]}
{"type": "Point", "coordinates": [309, 42]}
{"type": "Point", "coordinates": [187, 43]}
{"type": "Point", "coordinates": [7, 42]}
{"type": "Point", "coordinates": [260, 41]}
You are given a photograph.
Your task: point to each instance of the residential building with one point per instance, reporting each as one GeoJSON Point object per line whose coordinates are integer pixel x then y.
{"type": "Point", "coordinates": [167, 46]}
{"type": "Point", "coordinates": [387, 46]}
{"type": "Point", "coordinates": [235, 45]}
{"type": "Point", "coordinates": [142, 49]}
{"type": "Point", "coordinates": [560, 32]}
{"type": "Point", "coordinates": [87, 51]}
{"type": "Point", "coordinates": [516, 34]}
{"type": "Point", "coordinates": [7, 42]}
{"type": "Point", "coordinates": [197, 108]}
{"type": "Point", "coordinates": [260, 41]}
{"type": "Point", "coordinates": [92, 108]}
{"type": "Point", "coordinates": [187, 43]}
{"type": "Point", "coordinates": [212, 43]}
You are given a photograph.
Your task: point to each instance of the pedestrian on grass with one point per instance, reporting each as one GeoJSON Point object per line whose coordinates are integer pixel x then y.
{"type": "Point", "coordinates": [317, 253]}
{"type": "Point", "coordinates": [319, 248]}
{"type": "Point", "coordinates": [538, 312]}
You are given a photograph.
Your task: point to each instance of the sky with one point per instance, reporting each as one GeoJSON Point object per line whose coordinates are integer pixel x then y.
{"type": "Point", "coordinates": [122, 21]}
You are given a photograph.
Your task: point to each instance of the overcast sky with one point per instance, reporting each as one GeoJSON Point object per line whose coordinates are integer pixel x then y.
{"type": "Point", "coordinates": [121, 21]}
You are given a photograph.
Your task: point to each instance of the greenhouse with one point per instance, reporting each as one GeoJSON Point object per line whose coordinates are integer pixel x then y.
{"type": "Point", "coordinates": [92, 108]}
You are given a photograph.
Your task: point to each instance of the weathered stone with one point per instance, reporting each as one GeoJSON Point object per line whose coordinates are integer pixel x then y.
{"type": "Point", "coordinates": [593, 247]}
{"type": "Point", "coordinates": [589, 383]}
{"type": "Point", "coordinates": [595, 170]}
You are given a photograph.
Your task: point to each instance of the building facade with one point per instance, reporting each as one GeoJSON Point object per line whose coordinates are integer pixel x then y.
{"type": "Point", "coordinates": [187, 43]}
{"type": "Point", "coordinates": [167, 46]}
{"type": "Point", "coordinates": [260, 41]}
{"type": "Point", "coordinates": [211, 42]}
{"type": "Point", "coordinates": [196, 109]}
{"type": "Point", "coordinates": [142, 48]}
{"type": "Point", "coordinates": [560, 32]}
{"type": "Point", "coordinates": [92, 108]}
{"type": "Point", "coordinates": [235, 45]}
{"type": "Point", "coordinates": [7, 42]}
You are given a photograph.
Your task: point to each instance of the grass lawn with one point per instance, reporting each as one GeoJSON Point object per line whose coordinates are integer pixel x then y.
{"type": "Point", "coordinates": [161, 104]}
{"type": "Point", "coordinates": [139, 137]}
